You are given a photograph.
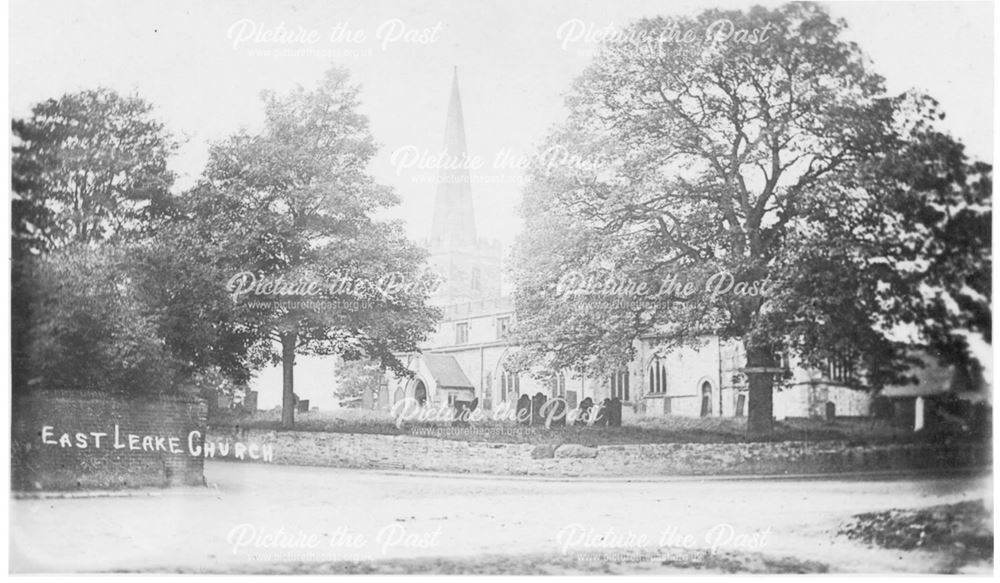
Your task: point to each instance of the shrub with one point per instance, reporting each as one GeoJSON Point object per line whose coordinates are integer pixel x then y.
{"type": "Point", "coordinates": [85, 327]}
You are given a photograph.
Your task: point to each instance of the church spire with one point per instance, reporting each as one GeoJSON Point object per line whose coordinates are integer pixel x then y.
{"type": "Point", "coordinates": [454, 219]}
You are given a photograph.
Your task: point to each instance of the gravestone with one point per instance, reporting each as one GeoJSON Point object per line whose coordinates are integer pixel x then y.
{"type": "Point", "coordinates": [602, 413]}
{"type": "Point", "coordinates": [584, 415]}
{"type": "Point", "coordinates": [537, 402]}
{"type": "Point", "coordinates": [557, 409]}
{"type": "Point", "coordinates": [460, 416]}
{"type": "Point", "coordinates": [831, 411]}
{"type": "Point", "coordinates": [523, 410]}
{"type": "Point", "coordinates": [250, 402]}
{"type": "Point", "coordinates": [302, 406]}
{"type": "Point", "coordinates": [615, 412]}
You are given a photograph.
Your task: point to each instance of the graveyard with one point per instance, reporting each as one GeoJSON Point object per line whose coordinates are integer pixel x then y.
{"type": "Point", "coordinates": [634, 429]}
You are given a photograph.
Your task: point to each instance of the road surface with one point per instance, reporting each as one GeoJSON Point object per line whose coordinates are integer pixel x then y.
{"type": "Point", "coordinates": [257, 514]}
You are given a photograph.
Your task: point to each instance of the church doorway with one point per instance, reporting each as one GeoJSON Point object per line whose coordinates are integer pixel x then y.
{"type": "Point", "coordinates": [420, 393]}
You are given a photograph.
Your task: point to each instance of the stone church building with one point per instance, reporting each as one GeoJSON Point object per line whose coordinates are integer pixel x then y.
{"type": "Point", "coordinates": [465, 358]}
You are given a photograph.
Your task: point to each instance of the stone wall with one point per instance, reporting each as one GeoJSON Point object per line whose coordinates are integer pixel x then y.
{"type": "Point", "coordinates": [349, 450]}
{"type": "Point", "coordinates": [82, 439]}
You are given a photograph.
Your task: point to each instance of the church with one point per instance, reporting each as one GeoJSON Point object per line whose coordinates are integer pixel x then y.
{"type": "Point", "coordinates": [465, 358]}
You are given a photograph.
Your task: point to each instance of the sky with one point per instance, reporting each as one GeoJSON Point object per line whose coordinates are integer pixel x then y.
{"type": "Point", "coordinates": [204, 64]}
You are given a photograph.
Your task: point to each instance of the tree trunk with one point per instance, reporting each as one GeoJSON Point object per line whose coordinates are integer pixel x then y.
{"type": "Point", "coordinates": [288, 341]}
{"type": "Point", "coordinates": [760, 407]}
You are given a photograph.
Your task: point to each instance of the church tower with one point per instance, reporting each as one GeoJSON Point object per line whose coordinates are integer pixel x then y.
{"type": "Point", "coordinates": [469, 266]}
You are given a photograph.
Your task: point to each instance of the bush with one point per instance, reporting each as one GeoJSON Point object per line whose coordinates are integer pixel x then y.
{"type": "Point", "coordinates": [85, 327]}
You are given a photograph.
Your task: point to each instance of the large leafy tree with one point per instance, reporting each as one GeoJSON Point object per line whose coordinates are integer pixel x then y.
{"type": "Point", "coordinates": [295, 202]}
{"type": "Point", "coordinates": [86, 167]}
{"type": "Point", "coordinates": [89, 171]}
{"type": "Point", "coordinates": [762, 161]}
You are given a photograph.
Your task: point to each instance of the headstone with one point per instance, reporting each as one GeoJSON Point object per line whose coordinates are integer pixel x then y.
{"type": "Point", "coordinates": [557, 410]}
{"type": "Point", "coordinates": [463, 409]}
{"type": "Point", "coordinates": [615, 412]}
{"type": "Point", "coordinates": [302, 406]}
{"type": "Point", "coordinates": [250, 401]}
{"type": "Point", "coordinates": [831, 411]}
{"type": "Point", "coordinates": [537, 402]}
{"type": "Point", "coordinates": [584, 413]}
{"type": "Point", "coordinates": [461, 415]}
{"type": "Point", "coordinates": [523, 410]}
{"type": "Point", "coordinates": [602, 413]}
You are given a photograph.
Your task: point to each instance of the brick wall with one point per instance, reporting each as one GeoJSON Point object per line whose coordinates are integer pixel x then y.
{"type": "Point", "coordinates": [402, 452]}
{"type": "Point", "coordinates": [56, 443]}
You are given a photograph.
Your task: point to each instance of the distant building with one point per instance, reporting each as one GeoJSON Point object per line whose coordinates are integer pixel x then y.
{"type": "Point", "coordinates": [466, 356]}
{"type": "Point", "coordinates": [941, 395]}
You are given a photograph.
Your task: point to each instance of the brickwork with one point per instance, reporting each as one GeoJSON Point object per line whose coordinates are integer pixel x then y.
{"type": "Point", "coordinates": [91, 440]}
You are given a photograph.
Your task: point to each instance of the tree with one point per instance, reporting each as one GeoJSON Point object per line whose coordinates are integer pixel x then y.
{"type": "Point", "coordinates": [726, 165]}
{"type": "Point", "coordinates": [86, 167]}
{"type": "Point", "coordinates": [89, 329]}
{"type": "Point", "coordinates": [148, 315]}
{"type": "Point", "coordinates": [292, 207]}
{"type": "Point", "coordinates": [354, 377]}
{"type": "Point", "coordinates": [180, 280]}
{"type": "Point", "coordinates": [920, 253]}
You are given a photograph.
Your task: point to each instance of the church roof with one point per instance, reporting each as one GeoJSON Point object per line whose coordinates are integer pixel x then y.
{"type": "Point", "coordinates": [446, 372]}
{"type": "Point", "coordinates": [934, 379]}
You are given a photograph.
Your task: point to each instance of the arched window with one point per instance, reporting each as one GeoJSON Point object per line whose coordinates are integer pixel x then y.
{"type": "Point", "coordinates": [657, 377]}
{"type": "Point", "coordinates": [476, 279]}
{"type": "Point", "coordinates": [706, 399]}
{"type": "Point", "coordinates": [510, 386]}
{"type": "Point", "coordinates": [619, 385]}
{"type": "Point", "coordinates": [558, 385]}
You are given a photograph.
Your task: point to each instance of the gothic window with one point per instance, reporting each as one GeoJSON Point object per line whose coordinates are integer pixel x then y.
{"type": "Point", "coordinates": [510, 386]}
{"type": "Point", "coordinates": [559, 385]}
{"type": "Point", "coordinates": [839, 369]}
{"type": "Point", "coordinates": [619, 385]}
{"type": "Point", "coordinates": [477, 283]}
{"type": "Point", "coordinates": [657, 377]}
{"type": "Point", "coordinates": [706, 399]}
{"type": "Point", "coordinates": [461, 333]}
{"type": "Point", "coordinates": [503, 327]}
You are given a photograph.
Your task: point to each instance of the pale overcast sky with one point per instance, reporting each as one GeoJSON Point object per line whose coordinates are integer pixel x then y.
{"type": "Point", "coordinates": [513, 69]}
